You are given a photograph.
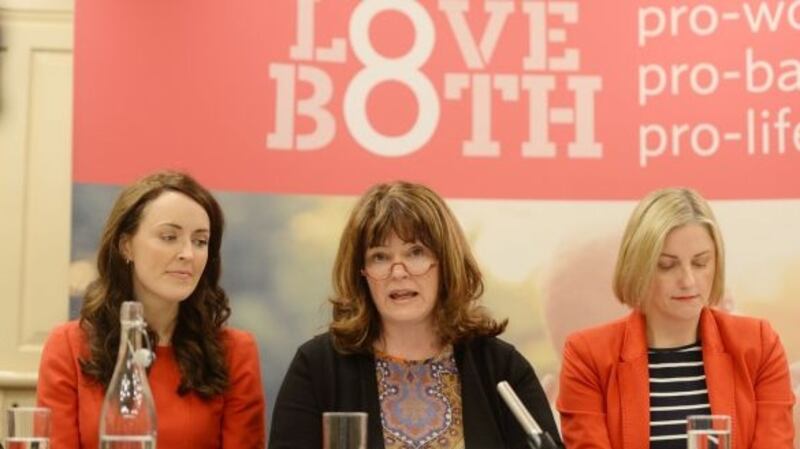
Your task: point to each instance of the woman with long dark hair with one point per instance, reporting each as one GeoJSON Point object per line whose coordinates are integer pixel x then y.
{"type": "Point", "coordinates": [161, 247]}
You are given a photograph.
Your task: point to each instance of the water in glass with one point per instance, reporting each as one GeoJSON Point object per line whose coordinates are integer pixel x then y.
{"type": "Point", "coordinates": [27, 443]}
{"type": "Point", "coordinates": [127, 442]}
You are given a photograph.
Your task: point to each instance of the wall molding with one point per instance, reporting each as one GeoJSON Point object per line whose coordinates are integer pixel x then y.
{"type": "Point", "coordinates": [36, 61]}
{"type": "Point", "coordinates": [11, 379]}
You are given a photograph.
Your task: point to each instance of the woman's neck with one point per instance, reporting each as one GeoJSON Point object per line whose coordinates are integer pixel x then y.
{"type": "Point", "coordinates": [409, 342]}
{"type": "Point", "coordinates": [161, 318]}
{"type": "Point", "coordinates": [671, 334]}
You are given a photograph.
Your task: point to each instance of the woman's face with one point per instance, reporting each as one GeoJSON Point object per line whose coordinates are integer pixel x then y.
{"type": "Point", "coordinates": [169, 250]}
{"type": "Point", "coordinates": [683, 277]}
{"type": "Point", "coordinates": [403, 279]}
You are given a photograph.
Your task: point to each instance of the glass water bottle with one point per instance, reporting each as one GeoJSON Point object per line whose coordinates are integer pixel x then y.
{"type": "Point", "coordinates": [128, 415]}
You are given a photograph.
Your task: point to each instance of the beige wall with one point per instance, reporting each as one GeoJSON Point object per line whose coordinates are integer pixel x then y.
{"type": "Point", "coordinates": [35, 184]}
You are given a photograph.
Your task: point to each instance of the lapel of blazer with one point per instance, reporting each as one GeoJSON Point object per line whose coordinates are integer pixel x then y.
{"type": "Point", "coordinates": [634, 386]}
{"type": "Point", "coordinates": [718, 368]}
{"type": "Point", "coordinates": [369, 400]}
{"type": "Point", "coordinates": [480, 426]}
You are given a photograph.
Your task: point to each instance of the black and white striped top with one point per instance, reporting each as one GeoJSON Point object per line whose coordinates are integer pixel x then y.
{"type": "Point", "coordinates": [677, 390]}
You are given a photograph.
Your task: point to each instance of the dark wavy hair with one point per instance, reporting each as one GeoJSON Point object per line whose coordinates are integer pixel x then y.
{"type": "Point", "coordinates": [413, 212]}
{"type": "Point", "coordinates": [196, 341]}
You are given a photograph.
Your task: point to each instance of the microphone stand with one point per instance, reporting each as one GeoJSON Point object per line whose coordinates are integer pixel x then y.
{"type": "Point", "coordinates": [537, 439]}
{"type": "Point", "coordinates": [541, 441]}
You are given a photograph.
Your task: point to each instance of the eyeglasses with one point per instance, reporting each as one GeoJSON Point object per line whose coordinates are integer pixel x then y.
{"type": "Point", "coordinates": [417, 262]}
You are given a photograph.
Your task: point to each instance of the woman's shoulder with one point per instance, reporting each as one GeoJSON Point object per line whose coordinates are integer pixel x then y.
{"type": "Point", "coordinates": [69, 333]}
{"type": "Point", "coordinates": [234, 335]}
{"type": "Point", "coordinates": [239, 344]}
{"type": "Point", "coordinates": [741, 329]}
{"type": "Point", "coordinates": [491, 348]}
{"type": "Point", "coordinates": [738, 322]}
{"type": "Point", "coordinates": [601, 334]}
{"type": "Point", "coordinates": [492, 344]}
{"type": "Point", "coordinates": [504, 358]}
{"type": "Point", "coordinates": [318, 346]}
{"type": "Point", "coordinates": [65, 346]}
{"type": "Point", "coordinates": [71, 329]}
{"type": "Point", "coordinates": [605, 342]}
{"type": "Point", "coordinates": [241, 350]}
{"type": "Point", "coordinates": [319, 351]}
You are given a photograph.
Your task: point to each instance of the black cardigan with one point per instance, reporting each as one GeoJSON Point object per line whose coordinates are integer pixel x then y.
{"type": "Point", "coordinates": [320, 379]}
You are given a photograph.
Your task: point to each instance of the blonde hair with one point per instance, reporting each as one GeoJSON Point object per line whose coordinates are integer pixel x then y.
{"type": "Point", "coordinates": [655, 216]}
{"type": "Point", "coordinates": [413, 212]}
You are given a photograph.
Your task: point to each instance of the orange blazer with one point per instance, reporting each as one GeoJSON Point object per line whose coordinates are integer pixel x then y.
{"type": "Point", "coordinates": [604, 393]}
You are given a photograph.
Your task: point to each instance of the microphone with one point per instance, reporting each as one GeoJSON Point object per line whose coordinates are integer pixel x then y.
{"type": "Point", "coordinates": [537, 439]}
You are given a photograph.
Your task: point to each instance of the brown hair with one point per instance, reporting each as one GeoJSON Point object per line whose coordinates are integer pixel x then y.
{"type": "Point", "coordinates": [414, 212]}
{"type": "Point", "coordinates": [196, 340]}
{"type": "Point", "coordinates": [655, 216]}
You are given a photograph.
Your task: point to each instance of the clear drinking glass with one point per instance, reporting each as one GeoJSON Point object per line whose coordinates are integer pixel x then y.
{"type": "Point", "coordinates": [344, 430]}
{"type": "Point", "coordinates": [27, 428]}
{"type": "Point", "coordinates": [708, 431]}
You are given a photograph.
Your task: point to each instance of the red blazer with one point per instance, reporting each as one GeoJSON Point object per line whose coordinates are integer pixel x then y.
{"type": "Point", "coordinates": [232, 420]}
{"type": "Point", "coordinates": [604, 393]}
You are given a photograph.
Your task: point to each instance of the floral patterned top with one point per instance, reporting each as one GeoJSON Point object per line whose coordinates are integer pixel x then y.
{"type": "Point", "coordinates": [420, 402]}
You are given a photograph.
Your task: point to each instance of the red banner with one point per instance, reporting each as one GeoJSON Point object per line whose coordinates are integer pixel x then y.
{"type": "Point", "coordinates": [494, 98]}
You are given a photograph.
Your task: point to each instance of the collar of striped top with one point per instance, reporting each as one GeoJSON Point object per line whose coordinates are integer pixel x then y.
{"type": "Point", "coordinates": [677, 348]}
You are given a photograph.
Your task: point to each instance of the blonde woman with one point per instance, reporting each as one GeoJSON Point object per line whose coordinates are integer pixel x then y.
{"type": "Point", "coordinates": [630, 384]}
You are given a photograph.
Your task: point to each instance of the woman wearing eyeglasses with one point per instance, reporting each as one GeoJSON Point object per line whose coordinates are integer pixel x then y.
{"type": "Point", "coordinates": [409, 342]}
